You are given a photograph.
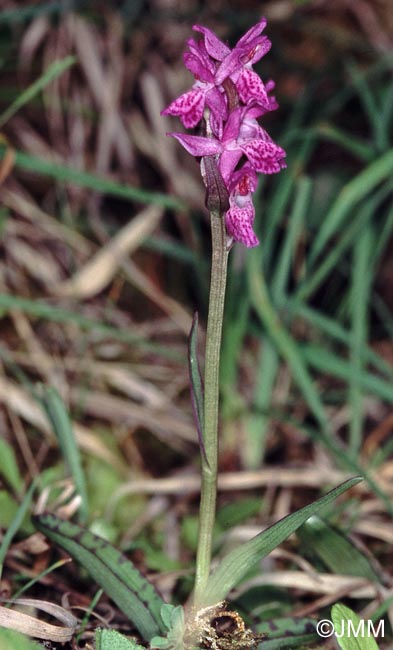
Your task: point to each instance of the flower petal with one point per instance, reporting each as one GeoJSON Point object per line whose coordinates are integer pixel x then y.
{"type": "Point", "coordinates": [216, 101]}
{"type": "Point", "coordinates": [189, 107]}
{"type": "Point", "coordinates": [238, 222]}
{"type": "Point", "coordinates": [199, 62]}
{"type": "Point", "coordinates": [197, 145]}
{"type": "Point", "coordinates": [244, 180]}
{"type": "Point", "coordinates": [228, 161]}
{"type": "Point", "coordinates": [216, 48]}
{"type": "Point", "coordinates": [252, 33]}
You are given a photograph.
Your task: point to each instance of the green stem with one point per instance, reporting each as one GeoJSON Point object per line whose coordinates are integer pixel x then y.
{"type": "Point", "coordinates": [207, 509]}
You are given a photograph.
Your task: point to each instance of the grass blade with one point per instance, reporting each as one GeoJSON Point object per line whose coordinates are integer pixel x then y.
{"type": "Point", "coordinates": [15, 525]}
{"type": "Point", "coordinates": [358, 147]}
{"type": "Point", "coordinates": [132, 593]}
{"type": "Point", "coordinates": [62, 427]}
{"type": "Point", "coordinates": [294, 356]}
{"type": "Point", "coordinates": [360, 295]}
{"type": "Point", "coordinates": [51, 73]}
{"type": "Point", "coordinates": [338, 333]}
{"type": "Point", "coordinates": [351, 194]}
{"type": "Point", "coordinates": [332, 257]}
{"type": "Point", "coordinates": [258, 421]}
{"type": "Point", "coordinates": [238, 562]}
{"type": "Point", "coordinates": [9, 469]}
{"type": "Point", "coordinates": [327, 363]}
{"type": "Point", "coordinates": [288, 247]}
{"type": "Point", "coordinates": [65, 174]}
{"type": "Point", "coordinates": [57, 314]}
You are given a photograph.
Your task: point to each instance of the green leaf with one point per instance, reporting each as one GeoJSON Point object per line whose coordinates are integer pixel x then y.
{"type": "Point", "coordinates": [9, 467]}
{"type": "Point", "coordinates": [117, 575]}
{"type": "Point", "coordinates": [350, 634]}
{"type": "Point", "coordinates": [16, 523]}
{"type": "Point", "coordinates": [74, 176]}
{"type": "Point", "coordinates": [8, 508]}
{"type": "Point", "coordinates": [52, 72]}
{"type": "Point", "coordinates": [11, 640]}
{"type": "Point", "coordinates": [159, 643]}
{"type": "Point", "coordinates": [167, 611]}
{"type": "Point", "coordinates": [62, 427]}
{"type": "Point", "coordinates": [113, 640]}
{"type": "Point", "coordinates": [173, 618]}
{"type": "Point", "coordinates": [238, 562]}
{"type": "Point", "coordinates": [350, 197]}
{"type": "Point", "coordinates": [280, 632]}
{"type": "Point", "coordinates": [46, 311]}
{"type": "Point", "coordinates": [336, 551]}
{"type": "Point", "coordinates": [294, 356]}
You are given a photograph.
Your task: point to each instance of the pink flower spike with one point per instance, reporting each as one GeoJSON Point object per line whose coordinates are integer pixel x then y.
{"type": "Point", "coordinates": [235, 96]}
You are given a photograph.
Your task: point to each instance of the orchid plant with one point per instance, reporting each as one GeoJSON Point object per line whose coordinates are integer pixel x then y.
{"type": "Point", "coordinates": [227, 98]}
{"type": "Point", "coordinates": [225, 102]}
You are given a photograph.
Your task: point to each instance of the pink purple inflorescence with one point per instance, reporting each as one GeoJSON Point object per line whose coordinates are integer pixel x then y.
{"type": "Point", "coordinates": [235, 96]}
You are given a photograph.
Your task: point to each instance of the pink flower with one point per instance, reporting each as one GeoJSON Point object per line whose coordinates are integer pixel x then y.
{"type": "Point", "coordinates": [239, 218]}
{"type": "Point", "coordinates": [204, 92]}
{"type": "Point", "coordinates": [242, 135]}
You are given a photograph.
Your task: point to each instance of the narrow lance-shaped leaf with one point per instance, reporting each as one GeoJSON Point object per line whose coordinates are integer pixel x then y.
{"type": "Point", "coordinates": [120, 579]}
{"type": "Point", "coordinates": [280, 632]}
{"type": "Point", "coordinates": [12, 639]}
{"type": "Point", "coordinates": [350, 631]}
{"type": "Point", "coordinates": [52, 72]}
{"type": "Point", "coordinates": [196, 384]}
{"type": "Point", "coordinates": [336, 551]}
{"type": "Point", "coordinates": [9, 467]}
{"type": "Point", "coordinates": [238, 562]}
{"type": "Point", "coordinates": [16, 523]}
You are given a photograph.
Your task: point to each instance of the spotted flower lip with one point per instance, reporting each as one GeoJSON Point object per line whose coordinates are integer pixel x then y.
{"type": "Point", "coordinates": [231, 97]}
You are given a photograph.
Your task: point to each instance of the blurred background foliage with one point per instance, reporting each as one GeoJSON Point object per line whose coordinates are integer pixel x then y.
{"type": "Point", "coordinates": [105, 256]}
